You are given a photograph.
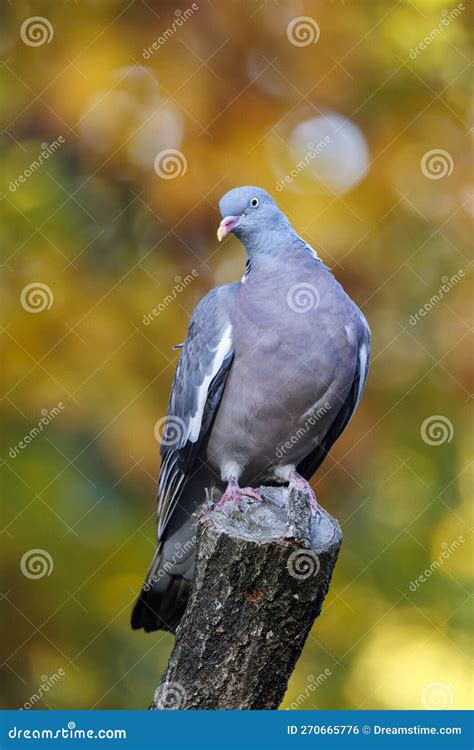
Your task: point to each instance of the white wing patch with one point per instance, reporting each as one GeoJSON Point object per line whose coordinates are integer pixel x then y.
{"type": "Point", "coordinates": [312, 251]}
{"type": "Point", "coordinates": [363, 357]}
{"type": "Point", "coordinates": [220, 354]}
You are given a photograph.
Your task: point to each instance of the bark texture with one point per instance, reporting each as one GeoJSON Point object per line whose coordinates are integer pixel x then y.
{"type": "Point", "coordinates": [261, 578]}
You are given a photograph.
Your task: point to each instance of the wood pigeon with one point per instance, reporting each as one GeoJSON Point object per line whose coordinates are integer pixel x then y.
{"type": "Point", "coordinates": [272, 370]}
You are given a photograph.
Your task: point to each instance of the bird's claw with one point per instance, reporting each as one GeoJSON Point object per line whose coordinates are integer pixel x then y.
{"type": "Point", "coordinates": [236, 493]}
{"type": "Point", "coordinates": [229, 495]}
{"type": "Point", "coordinates": [299, 483]}
{"type": "Point", "coordinates": [254, 494]}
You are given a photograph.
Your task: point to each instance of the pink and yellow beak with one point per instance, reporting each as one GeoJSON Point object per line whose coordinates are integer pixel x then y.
{"type": "Point", "coordinates": [226, 226]}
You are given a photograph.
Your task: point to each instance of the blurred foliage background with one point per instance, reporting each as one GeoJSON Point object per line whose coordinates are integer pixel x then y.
{"type": "Point", "coordinates": [238, 91]}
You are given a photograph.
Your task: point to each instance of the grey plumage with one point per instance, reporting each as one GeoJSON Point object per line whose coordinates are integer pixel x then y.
{"type": "Point", "coordinates": [270, 373]}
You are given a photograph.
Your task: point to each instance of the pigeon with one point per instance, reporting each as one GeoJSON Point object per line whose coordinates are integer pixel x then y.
{"type": "Point", "coordinates": [271, 372]}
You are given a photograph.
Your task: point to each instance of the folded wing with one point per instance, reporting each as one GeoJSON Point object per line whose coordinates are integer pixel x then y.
{"type": "Point", "coordinates": [310, 463]}
{"type": "Point", "coordinates": [198, 385]}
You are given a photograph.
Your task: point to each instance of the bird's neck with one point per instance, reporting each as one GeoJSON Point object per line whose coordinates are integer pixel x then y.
{"type": "Point", "coordinates": [274, 254]}
{"type": "Point", "coordinates": [265, 247]}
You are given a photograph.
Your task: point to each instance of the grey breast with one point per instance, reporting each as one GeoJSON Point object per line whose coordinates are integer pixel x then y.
{"type": "Point", "coordinates": [291, 363]}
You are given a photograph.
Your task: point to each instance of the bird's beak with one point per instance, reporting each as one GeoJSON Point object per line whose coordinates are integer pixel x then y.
{"type": "Point", "coordinates": [226, 226]}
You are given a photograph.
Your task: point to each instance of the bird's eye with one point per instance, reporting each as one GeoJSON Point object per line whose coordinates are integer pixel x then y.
{"type": "Point", "coordinates": [255, 202]}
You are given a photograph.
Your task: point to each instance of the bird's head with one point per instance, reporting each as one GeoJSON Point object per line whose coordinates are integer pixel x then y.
{"type": "Point", "coordinates": [248, 212]}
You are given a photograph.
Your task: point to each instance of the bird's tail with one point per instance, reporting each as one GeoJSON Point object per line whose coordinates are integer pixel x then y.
{"type": "Point", "coordinates": [164, 595]}
{"type": "Point", "coordinates": [155, 610]}
{"type": "Point", "coordinates": [162, 600]}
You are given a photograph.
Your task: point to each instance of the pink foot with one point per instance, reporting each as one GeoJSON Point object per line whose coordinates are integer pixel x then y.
{"type": "Point", "coordinates": [235, 493]}
{"type": "Point", "coordinates": [299, 483]}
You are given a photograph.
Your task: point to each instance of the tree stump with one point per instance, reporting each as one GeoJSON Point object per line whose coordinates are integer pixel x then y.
{"type": "Point", "coordinates": [261, 577]}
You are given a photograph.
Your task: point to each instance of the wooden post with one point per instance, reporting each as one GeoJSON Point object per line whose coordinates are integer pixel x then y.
{"type": "Point", "coordinates": [262, 575]}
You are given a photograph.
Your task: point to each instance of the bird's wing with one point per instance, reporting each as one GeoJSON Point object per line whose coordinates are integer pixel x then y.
{"type": "Point", "coordinates": [313, 460]}
{"type": "Point", "coordinates": [204, 365]}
